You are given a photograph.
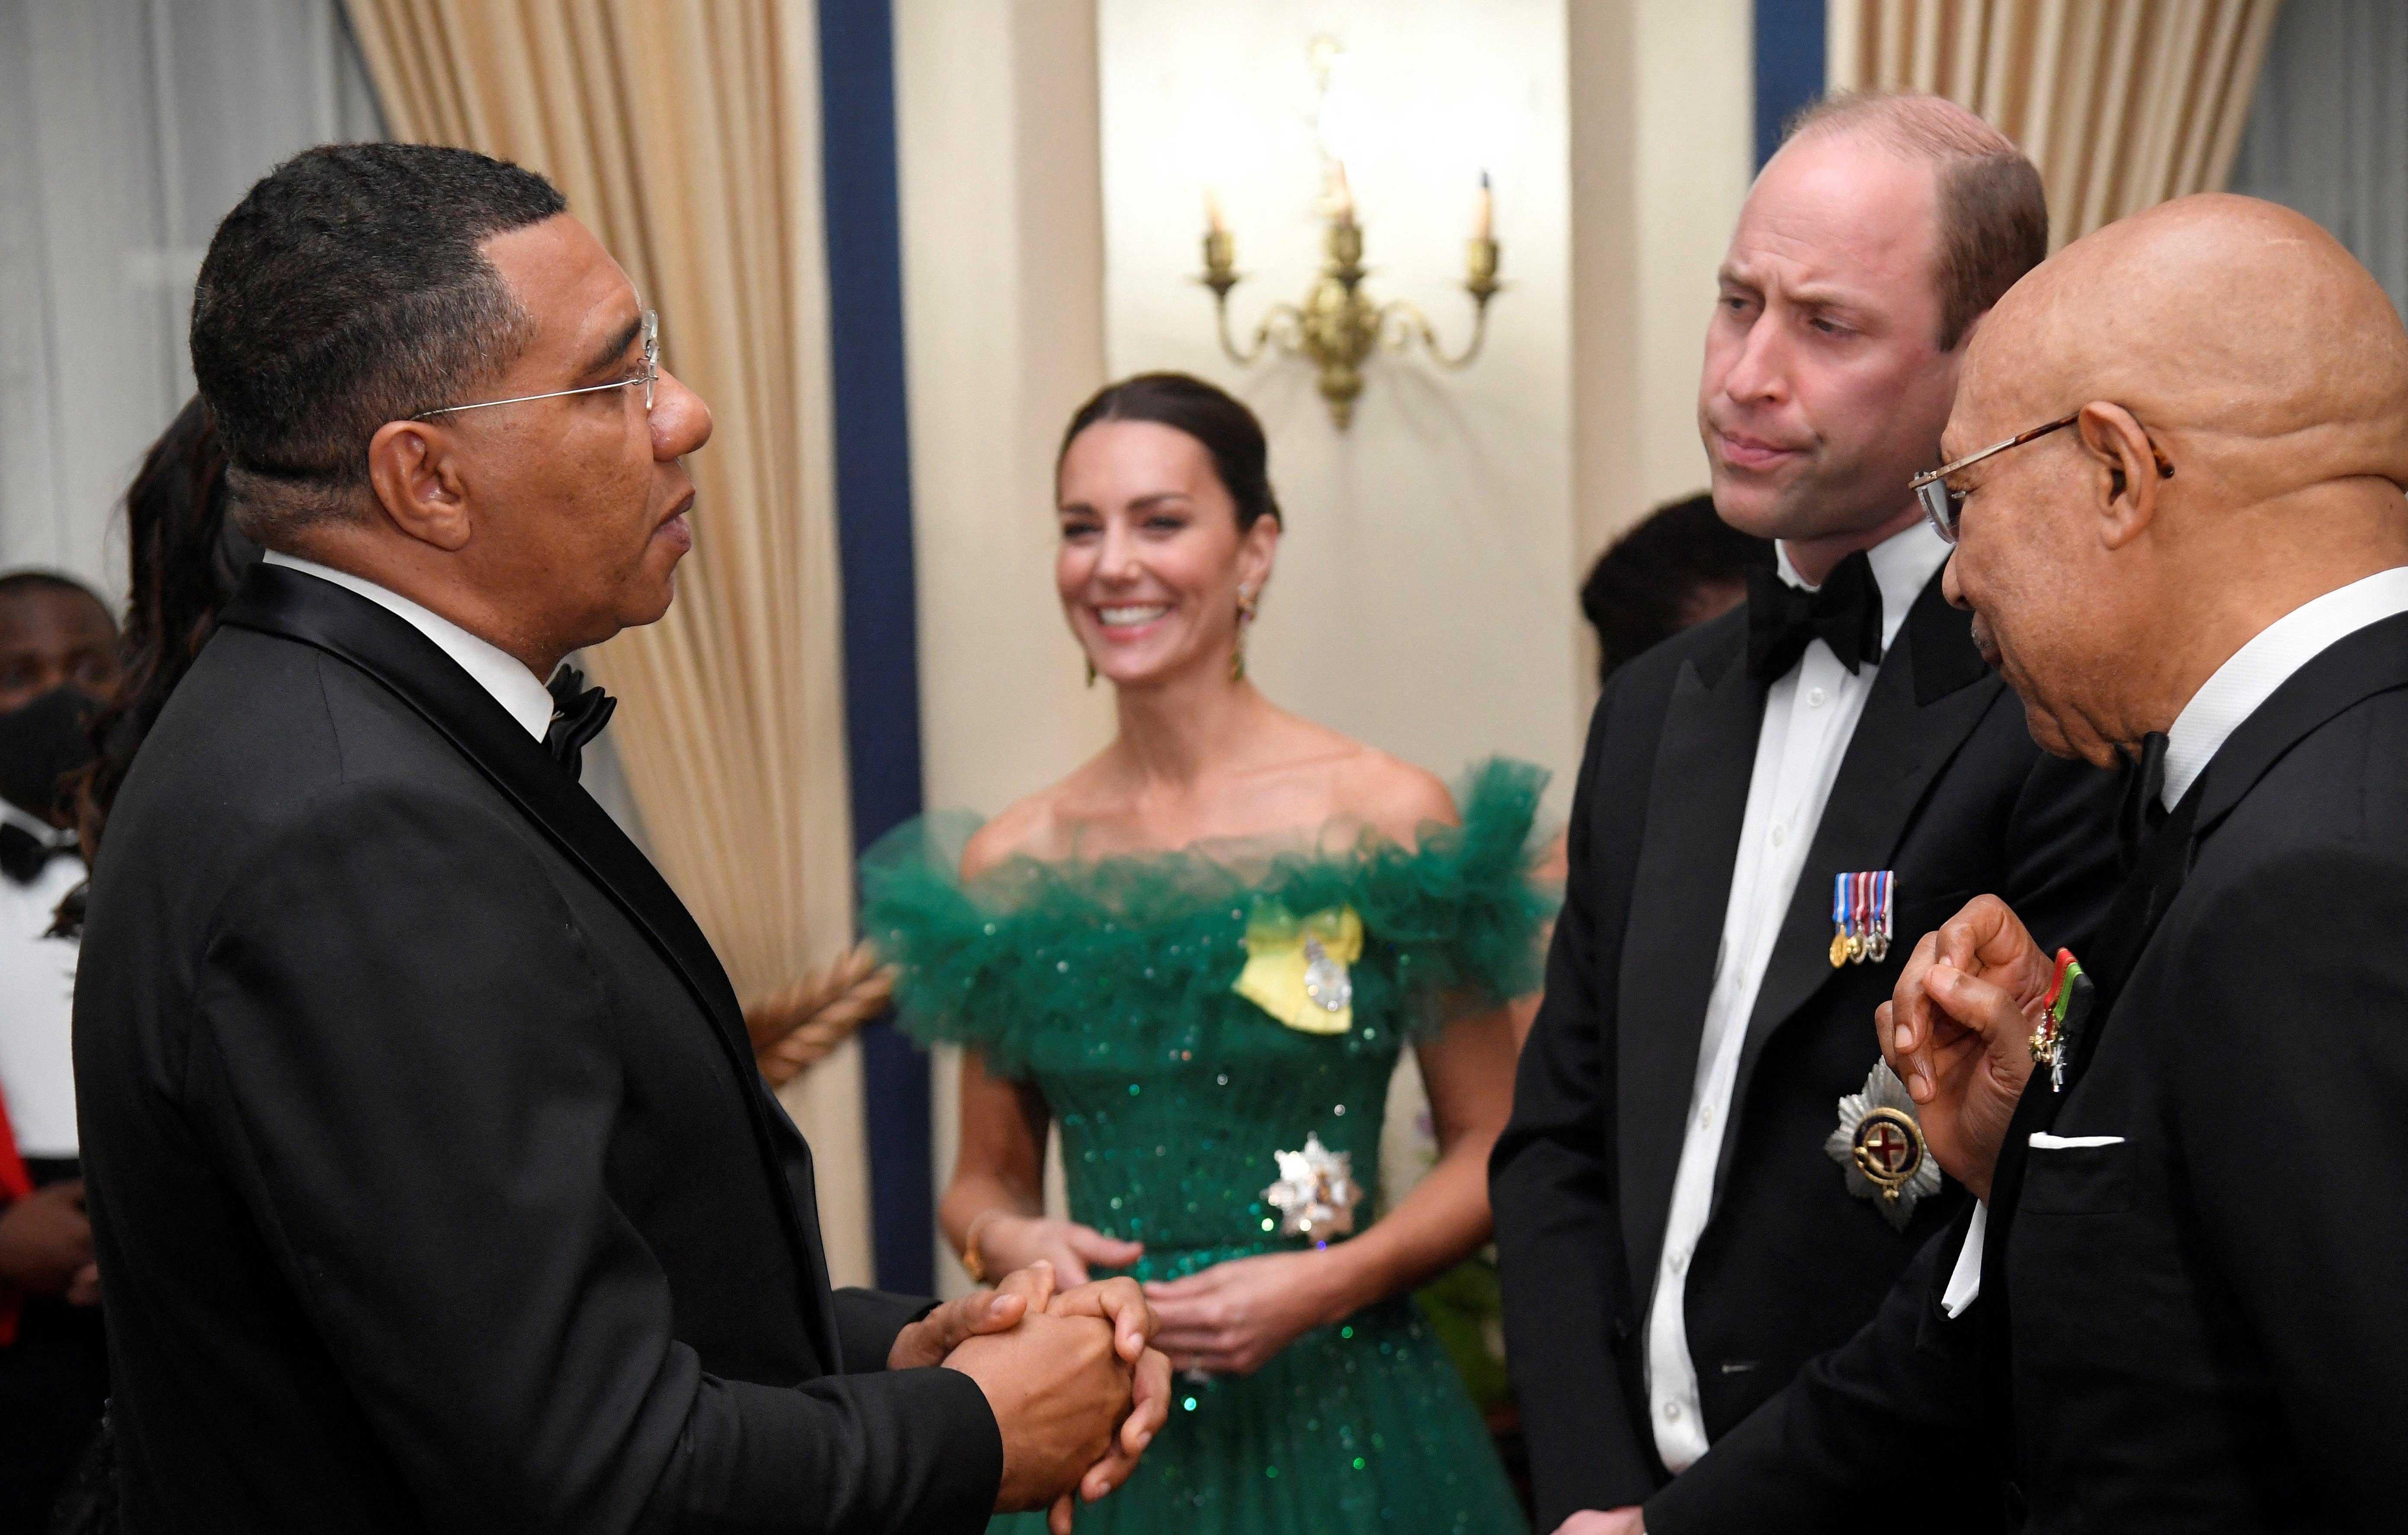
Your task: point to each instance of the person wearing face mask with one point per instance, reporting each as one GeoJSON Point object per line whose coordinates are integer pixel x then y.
{"type": "Point", "coordinates": [1709, 1179]}
{"type": "Point", "coordinates": [58, 661]}
{"type": "Point", "coordinates": [1201, 955]}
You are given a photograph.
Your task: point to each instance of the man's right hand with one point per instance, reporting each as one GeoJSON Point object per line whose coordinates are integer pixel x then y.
{"type": "Point", "coordinates": [45, 1239]}
{"type": "Point", "coordinates": [1957, 1032]}
{"type": "Point", "coordinates": [1060, 1389]}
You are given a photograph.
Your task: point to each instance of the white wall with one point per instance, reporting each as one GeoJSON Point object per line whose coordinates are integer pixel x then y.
{"type": "Point", "coordinates": [127, 129]}
{"type": "Point", "coordinates": [1422, 588]}
{"type": "Point", "coordinates": [1662, 130]}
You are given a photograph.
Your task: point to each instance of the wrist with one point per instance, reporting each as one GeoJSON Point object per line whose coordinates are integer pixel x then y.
{"type": "Point", "coordinates": [1345, 1280]}
{"type": "Point", "coordinates": [973, 1257]}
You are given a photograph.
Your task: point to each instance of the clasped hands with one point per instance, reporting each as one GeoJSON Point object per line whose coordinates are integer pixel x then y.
{"type": "Point", "coordinates": [1957, 1032]}
{"type": "Point", "coordinates": [1072, 1375]}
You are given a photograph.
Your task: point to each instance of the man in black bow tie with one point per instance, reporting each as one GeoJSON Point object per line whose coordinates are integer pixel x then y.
{"type": "Point", "coordinates": [2177, 469]}
{"type": "Point", "coordinates": [58, 660]}
{"type": "Point", "coordinates": [1676, 1238]}
{"type": "Point", "coordinates": [434, 1183]}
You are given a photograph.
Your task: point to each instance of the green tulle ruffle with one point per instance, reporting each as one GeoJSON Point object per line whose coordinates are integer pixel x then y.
{"type": "Point", "coordinates": [1034, 952]}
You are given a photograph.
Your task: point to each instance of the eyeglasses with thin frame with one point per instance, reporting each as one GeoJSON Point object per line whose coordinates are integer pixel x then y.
{"type": "Point", "coordinates": [1945, 505]}
{"type": "Point", "coordinates": [648, 377]}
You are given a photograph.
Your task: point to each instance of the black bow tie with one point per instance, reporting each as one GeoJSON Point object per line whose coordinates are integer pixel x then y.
{"type": "Point", "coordinates": [1844, 612]}
{"type": "Point", "coordinates": [2143, 809]}
{"type": "Point", "coordinates": [24, 855]}
{"type": "Point", "coordinates": [578, 714]}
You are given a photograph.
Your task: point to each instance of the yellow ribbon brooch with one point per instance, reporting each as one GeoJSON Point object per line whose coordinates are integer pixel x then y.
{"type": "Point", "coordinates": [1296, 969]}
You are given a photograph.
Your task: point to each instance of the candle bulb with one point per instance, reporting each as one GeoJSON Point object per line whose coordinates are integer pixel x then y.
{"type": "Point", "coordinates": [1213, 223]}
{"type": "Point", "coordinates": [1341, 196]}
{"type": "Point", "coordinates": [1484, 212]}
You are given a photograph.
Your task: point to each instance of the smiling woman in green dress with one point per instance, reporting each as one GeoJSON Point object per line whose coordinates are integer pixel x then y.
{"type": "Point", "coordinates": [1201, 953]}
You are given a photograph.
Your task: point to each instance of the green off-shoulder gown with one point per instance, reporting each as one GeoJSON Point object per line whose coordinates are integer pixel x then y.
{"type": "Point", "coordinates": [1106, 983]}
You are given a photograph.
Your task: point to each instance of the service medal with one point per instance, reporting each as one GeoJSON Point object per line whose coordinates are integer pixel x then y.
{"type": "Point", "coordinates": [1843, 919]}
{"type": "Point", "coordinates": [1861, 916]}
{"type": "Point", "coordinates": [2062, 1011]}
{"type": "Point", "coordinates": [1880, 1148]}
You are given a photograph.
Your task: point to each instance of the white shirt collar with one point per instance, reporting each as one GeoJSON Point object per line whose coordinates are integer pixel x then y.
{"type": "Point", "coordinates": [520, 692]}
{"type": "Point", "coordinates": [1903, 565]}
{"type": "Point", "coordinates": [2252, 673]}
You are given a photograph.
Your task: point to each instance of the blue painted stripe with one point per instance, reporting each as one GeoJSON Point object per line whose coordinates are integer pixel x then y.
{"type": "Point", "coordinates": [1790, 68]}
{"type": "Point", "coordinates": [873, 494]}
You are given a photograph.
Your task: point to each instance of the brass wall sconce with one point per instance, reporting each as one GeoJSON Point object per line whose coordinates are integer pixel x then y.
{"type": "Point", "coordinates": [1337, 327]}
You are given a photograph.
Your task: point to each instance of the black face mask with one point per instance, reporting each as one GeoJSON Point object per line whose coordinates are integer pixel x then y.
{"type": "Point", "coordinates": [42, 743]}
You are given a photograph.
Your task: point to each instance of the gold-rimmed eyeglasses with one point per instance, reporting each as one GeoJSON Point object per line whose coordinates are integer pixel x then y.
{"type": "Point", "coordinates": [648, 376]}
{"type": "Point", "coordinates": [1943, 505]}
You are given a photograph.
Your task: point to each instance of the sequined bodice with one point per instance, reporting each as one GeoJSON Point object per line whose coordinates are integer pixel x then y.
{"type": "Point", "coordinates": [1111, 985]}
{"type": "Point", "coordinates": [1175, 1151]}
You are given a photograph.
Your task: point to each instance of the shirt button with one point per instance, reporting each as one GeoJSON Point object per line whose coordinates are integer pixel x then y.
{"type": "Point", "coordinates": [1680, 1263]}
{"type": "Point", "coordinates": [1817, 698]}
{"type": "Point", "coordinates": [1780, 834]}
{"type": "Point", "coordinates": [1671, 1412]}
{"type": "Point", "coordinates": [1706, 1116]}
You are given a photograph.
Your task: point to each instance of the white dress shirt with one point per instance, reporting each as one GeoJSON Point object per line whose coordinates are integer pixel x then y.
{"type": "Point", "coordinates": [36, 1002]}
{"type": "Point", "coordinates": [2247, 679]}
{"type": "Point", "coordinates": [1810, 714]}
{"type": "Point", "coordinates": [518, 691]}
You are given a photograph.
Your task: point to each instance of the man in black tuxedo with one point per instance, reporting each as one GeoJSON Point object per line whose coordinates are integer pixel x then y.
{"type": "Point", "coordinates": [2176, 1307]}
{"type": "Point", "coordinates": [432, 1182]}
{"type": "Point", "coordinates": [1675, 1237]}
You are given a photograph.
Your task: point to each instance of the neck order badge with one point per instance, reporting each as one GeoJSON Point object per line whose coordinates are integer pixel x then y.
{"type": "Point", "coordinates": [1862, 909]}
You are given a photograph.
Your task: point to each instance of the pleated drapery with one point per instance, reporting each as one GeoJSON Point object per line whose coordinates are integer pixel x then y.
{"type": "Point", "coordinates": [686, 135]}
{"type": "Point", "coordinates": [2122, 103]}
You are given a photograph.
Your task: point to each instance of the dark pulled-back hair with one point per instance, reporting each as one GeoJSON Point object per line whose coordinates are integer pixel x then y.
{"type": "Point", "coordinates": [185, 560]}
{"type": "Point", "coordinates": [1648, 584]}
{"type": "Point", "coordinates": [1212, 416]}
{"type": "Point", "coordinates": [346, 290]}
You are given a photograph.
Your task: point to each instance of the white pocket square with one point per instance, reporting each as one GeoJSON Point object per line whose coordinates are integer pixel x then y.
{"type": "Point", "coordinates": [2043, 1140]}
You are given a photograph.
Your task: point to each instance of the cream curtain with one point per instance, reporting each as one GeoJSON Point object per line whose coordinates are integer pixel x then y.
{"type": "Point", "coordinates": [2122, 103]}
{"type": "Point", "coordinates": [686, 133]}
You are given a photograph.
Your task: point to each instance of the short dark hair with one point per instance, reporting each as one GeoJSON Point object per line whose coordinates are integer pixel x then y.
{"type": "Point", "coordinates": [346, 290]}
{"type": "Point", "coordinates": [1643, 588]}
{"type": "Point", "coordinates": [1993, 209]}
{"type": "Point", "coordinates": [1212, 416]}
{"type": "Point", "coordinates": [26, 581]}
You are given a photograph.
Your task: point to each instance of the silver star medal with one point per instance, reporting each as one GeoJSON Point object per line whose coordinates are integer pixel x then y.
{"type": "Point", "coordinates": [1316, 1193]}
{"type": "Point", "coordinates": [1880, 1144]}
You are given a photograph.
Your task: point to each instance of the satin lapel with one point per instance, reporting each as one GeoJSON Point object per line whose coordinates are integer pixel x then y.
{"type": "Point", "coordinates": [1923, 706]}
{"type": "Point", "coordinates": [299, 607]}
{"type": "Point", "coordinates": [1681, 886]}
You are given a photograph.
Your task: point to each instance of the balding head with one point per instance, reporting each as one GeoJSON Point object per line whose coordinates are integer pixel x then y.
{"type": "Point", "coordinates": [1993, 214]}
{"type": "Point", "coordinates": [2233, 341]}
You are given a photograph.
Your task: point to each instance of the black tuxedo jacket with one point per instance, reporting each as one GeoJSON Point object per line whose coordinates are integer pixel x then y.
{"type": "Point", "coordinates": [2190, 1318]}
{"type": "Point", "coordinates": [433, 1182]}
{"type": "Point", "coordinates": [1939, 783]}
